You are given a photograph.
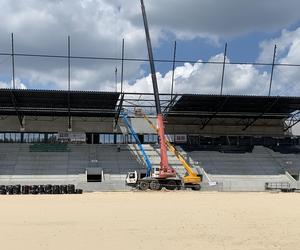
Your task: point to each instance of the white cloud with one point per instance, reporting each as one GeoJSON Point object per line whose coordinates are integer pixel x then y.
{"type": "Point", "coordinates": [18, 82]}
{"type": "Point", "coordinates": [206, 79]}
{"type": "Point", "coordinates": [239, 79]}
{"type": "Point", "coordinates": [286, 43]}
{"type": "Point", "coordinates": [96, 29]}
{"type": "Point", "coordinates": [286, 79]}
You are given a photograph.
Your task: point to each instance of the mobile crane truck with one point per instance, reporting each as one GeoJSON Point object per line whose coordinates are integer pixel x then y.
{"type": "Point", "coordinates": [151, 179]}
{"type": "Point", "coordinates": [192, 179]}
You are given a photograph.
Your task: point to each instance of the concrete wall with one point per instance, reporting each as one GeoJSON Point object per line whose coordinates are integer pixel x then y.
{"type": "Point", "coordinates": [219, 126]}
{"type": "Point", "coordinates": [173, 126]}
{"type": "Point", "coordinates": [57, 124]}
{"type": "Point", "coordinates": [250, 183]}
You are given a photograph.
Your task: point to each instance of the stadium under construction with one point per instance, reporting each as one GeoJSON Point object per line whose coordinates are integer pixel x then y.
{"type": "Point", "coordinates": [238, 143]}
{"type": "Point", "coordinates": [117, 140]}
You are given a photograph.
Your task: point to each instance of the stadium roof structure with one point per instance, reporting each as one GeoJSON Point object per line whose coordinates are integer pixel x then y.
{"type": "Point", "coordinates": [247, 107]}
{"type": "Point", "coordinates": [22, 102]}
{"type": "Point", "coordinates": [57, 102]}
{"type": "Point", "coordinates": [235, 106]}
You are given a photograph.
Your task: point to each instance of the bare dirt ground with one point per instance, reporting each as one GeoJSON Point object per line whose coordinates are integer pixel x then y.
{"type": "Point", "coordinates": [162, 220]}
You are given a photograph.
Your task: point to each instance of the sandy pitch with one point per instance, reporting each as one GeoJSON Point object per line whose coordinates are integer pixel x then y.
{"type": "Point", "coordinates": [163, 220]}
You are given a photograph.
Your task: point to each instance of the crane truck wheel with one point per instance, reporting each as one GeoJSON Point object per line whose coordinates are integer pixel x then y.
{"type": "Point", "coordinates": [196, 187]}
{"type": "Point", "coordinates": [154, 185]}
{"type": "Point", "coordinates": [171, 185]}
{"type": "Point", "coordinates": [144, 185]}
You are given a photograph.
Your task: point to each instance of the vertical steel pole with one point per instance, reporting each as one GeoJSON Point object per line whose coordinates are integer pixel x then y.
{"type": "Point", "coordinates": [13, 60]}
{"type": "Point", "coordinates": [69, 64]}
{"type": "Point", "coordinates": [223, 70]}
{"type": "Point", "coordinates": [173, 68]}
{"type": "Point", "coordinates": [272, 71]}
{"type": "Point", "coordinates": [116, 78]}
{"type": "Point", "coordinates": [69, 82]}
{"type": "Point", "coordinates": [122, 67]}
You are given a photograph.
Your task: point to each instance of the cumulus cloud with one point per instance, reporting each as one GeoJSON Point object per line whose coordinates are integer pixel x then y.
{"type": "Point", "coordinates": [286, 79]}
{"type": "Point", "coordinates": [96, 29]}
{"type": "Point", "coordinates": [206, 79]}
{"type": "Point", "coordinates": [239, 79]}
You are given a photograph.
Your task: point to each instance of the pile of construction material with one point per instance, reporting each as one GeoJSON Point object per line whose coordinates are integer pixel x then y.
{"type": "Point", "coordinates": [39, 189]}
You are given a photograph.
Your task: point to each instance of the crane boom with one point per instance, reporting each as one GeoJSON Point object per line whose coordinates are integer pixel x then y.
{"type": "Point", "coordinates": [165, 169]}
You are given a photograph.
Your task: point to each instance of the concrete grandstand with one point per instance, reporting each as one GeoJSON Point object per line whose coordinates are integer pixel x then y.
{"type": "Point", "coordinates": [58, 137]}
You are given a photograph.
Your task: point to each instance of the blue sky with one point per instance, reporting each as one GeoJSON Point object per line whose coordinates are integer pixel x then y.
{"type": "Point", "coordinates": [200, 27]}
{"type": "Point", "coordinates": [244, 48]}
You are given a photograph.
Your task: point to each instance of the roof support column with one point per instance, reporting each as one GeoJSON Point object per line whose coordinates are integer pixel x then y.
{"type": "Point", "coordinates": [69, 85]}
{"type": "Point", "coordinates": [259, 116]}
{"type": "Point", "coordinates": [14, 102]}
{"type": "Point", "coordinates": [119, 109]}
{"type": "Point", "coordinates": [215, 113]}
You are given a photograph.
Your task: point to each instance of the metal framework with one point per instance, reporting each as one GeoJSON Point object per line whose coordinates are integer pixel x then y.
{"type": "Point", "coordinates": [205, 123]}
{"type": "Point", "coordinates": [293, 120]}
{"type": "Point", "coordinates": [15, 104]}
{"type": "Point", "coordinates": [119, 109]}
{"type": "Point", "coordinates": [57, 103]}
{"type": "Point", "coordinates": [268, 108]}
{"type": "Point", "coordinates": [199, 109]}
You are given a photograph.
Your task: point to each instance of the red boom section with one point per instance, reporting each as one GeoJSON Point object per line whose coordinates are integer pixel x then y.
{"type": "Point", "coordinates": [165, 169]}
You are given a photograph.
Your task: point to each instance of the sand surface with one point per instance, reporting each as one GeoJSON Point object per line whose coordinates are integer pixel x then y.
{"type": "Point", "coordinates": [162, 220]}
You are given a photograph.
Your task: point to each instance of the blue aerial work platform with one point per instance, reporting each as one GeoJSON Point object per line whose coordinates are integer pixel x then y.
{"type": "Point", "coordinates": [140, 145]}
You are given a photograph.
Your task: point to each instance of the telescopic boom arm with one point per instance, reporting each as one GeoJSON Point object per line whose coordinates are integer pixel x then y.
{"type": "Point", "coordinates": [165, 169]}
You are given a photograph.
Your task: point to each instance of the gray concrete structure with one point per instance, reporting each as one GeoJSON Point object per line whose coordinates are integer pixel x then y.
{"type": "Point", "coordinates": [247, 171]}
{"type": "Point", "coordinates": [20, 166]}
{"type": "Point", "coordinates": [232, 172]}
{"type": "Point", "coordinates": [263, 127]}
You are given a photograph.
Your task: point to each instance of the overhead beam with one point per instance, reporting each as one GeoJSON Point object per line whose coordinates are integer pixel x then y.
{"type": "Point", "coordinates": [214, 114]}
{"type": "Point", "coordinates": [265, 111]}
{"type": "Point", "coordinates": [15, 104]}
{"type": "Point", "coordinates": [293, 121]}
{"type": "Point", "coordinates": [170, 104]}
{"type": "Point", "coordinates": [119, 109]}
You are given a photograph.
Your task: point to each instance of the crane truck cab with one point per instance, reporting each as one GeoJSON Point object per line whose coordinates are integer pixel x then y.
{"type": "Point", "coordinates": [138, 179]}
{"type": "Point", "coordinates": [131, 178]}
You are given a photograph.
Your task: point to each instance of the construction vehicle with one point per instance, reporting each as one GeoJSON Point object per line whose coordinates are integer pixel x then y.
{"type": "Point", "coordinates": [151, 178]}
{"type": "Point", "coordinates": [165, 175]}
{"type": "Point", "coordinates": [192, 179]}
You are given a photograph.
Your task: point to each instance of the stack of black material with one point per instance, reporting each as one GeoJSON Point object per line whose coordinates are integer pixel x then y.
{"type": "Point", "coordinates": [25, 189]}
{"type": "Point", "coordinates": [34, 189]}
{"type": "Point", "coordinates": [16, 189]}
{"type": "Point", "coordinates": [39, 189]}
{"type": "Point", "coordinates": [2, 189]}
{"type": "Point", "coordinates": [71, 189]}
{"type": "Point", "coordinates": [56, 189]}
{"type": "Point", "coordinates": [48, 189]}
{"type": "Point", "coordinates": [64, 189]}
{"type": "Point", "coordinates": [9, 189]}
